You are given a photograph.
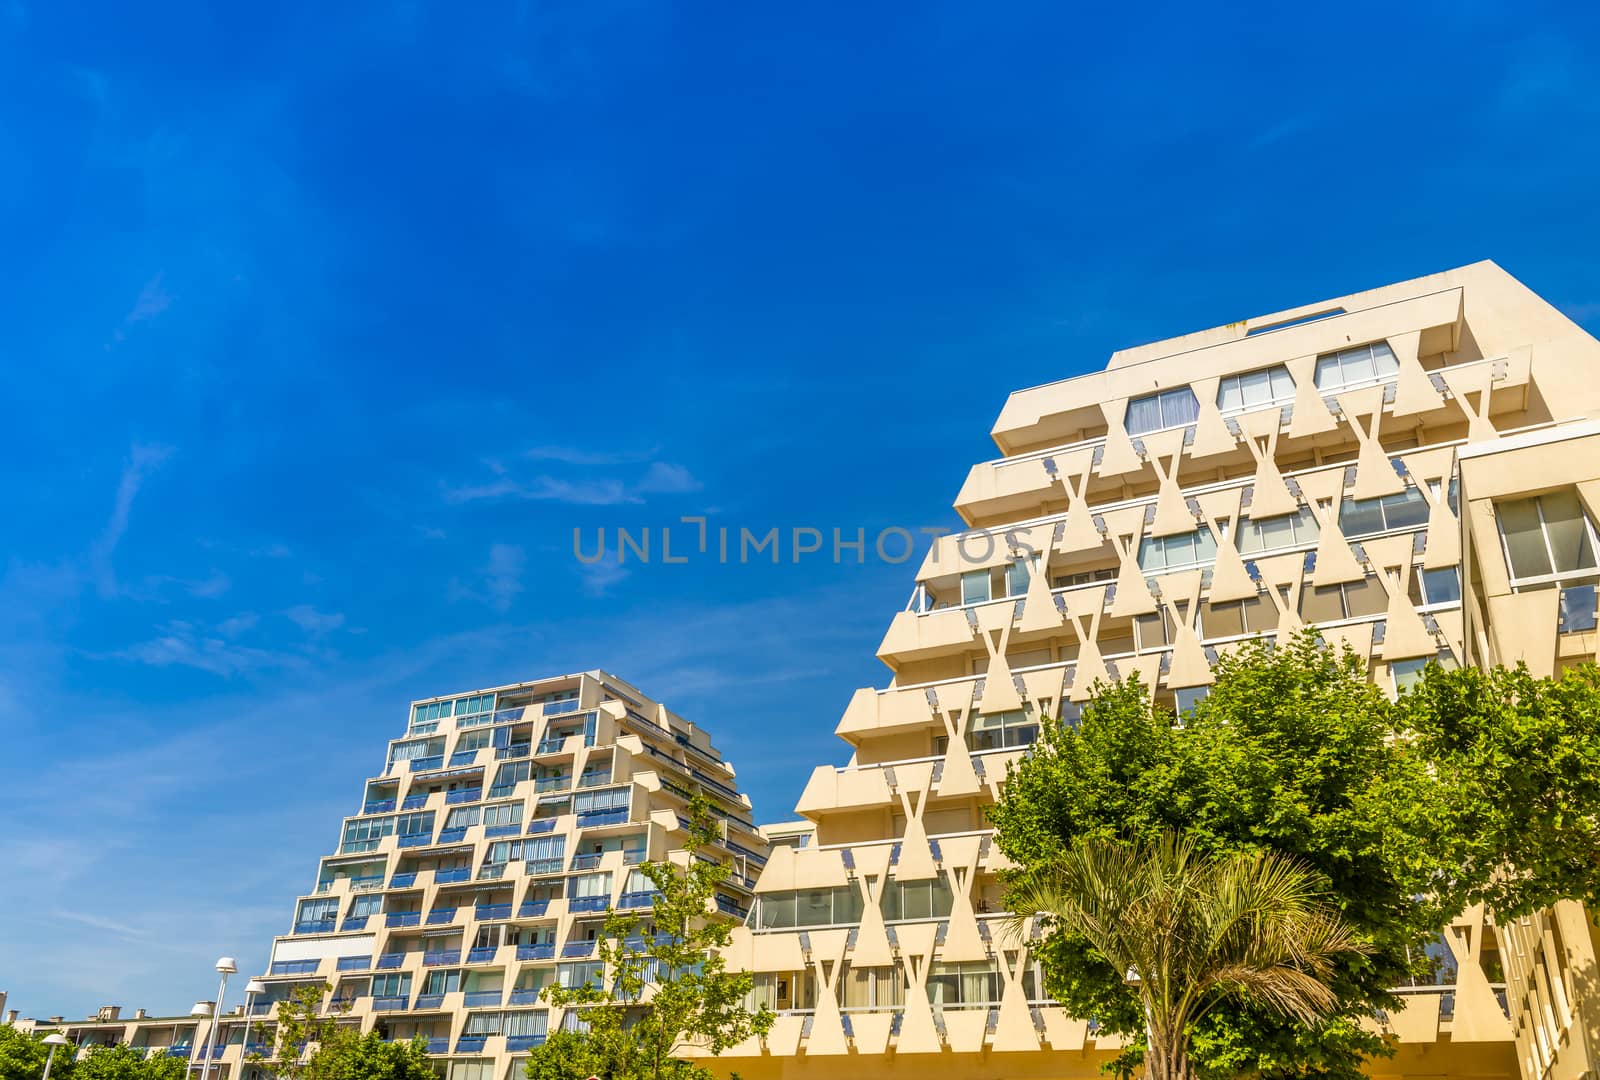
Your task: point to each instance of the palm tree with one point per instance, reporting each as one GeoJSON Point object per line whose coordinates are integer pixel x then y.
{"type": "Point", "coordinates": [1191, 931]}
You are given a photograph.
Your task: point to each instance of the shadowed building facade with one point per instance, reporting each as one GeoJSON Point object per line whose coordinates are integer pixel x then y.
{"type": "Point", "coordinates": [1415, 470]}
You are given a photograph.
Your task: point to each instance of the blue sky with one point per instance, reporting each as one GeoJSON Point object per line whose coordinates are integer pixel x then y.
{"type": "Point", "coordinates": [320, 333]}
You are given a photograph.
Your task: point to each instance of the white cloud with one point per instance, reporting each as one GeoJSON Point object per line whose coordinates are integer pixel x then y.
{"type": "Point", "coordinates": [313, 621]}
{"type": "Point", "coordinates": [598, 577]}
{"type": "Point", "coordinates": [667, 479]}
{"type": "Point", "coordinates": [503, 577]}
{"type": "Point", "coordinates": [142, 461]}
{"type": "Point", "coordinates": [572, 455]}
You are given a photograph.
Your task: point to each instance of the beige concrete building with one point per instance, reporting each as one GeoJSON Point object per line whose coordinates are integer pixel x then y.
{"type": "Point", "coordinates": [1414, 469]}
{"type": "Point", "coordinates": [477, 871]}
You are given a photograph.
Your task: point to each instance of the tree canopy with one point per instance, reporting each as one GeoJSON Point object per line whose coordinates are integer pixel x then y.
{"type": "Point", "coordinates": [22, 1057]}
{"type": "Point", "coordinates": [1401, 808]}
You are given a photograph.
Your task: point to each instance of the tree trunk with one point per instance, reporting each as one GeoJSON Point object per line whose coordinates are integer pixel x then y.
{"type": "Point", "coordinates": [1167, 1058]}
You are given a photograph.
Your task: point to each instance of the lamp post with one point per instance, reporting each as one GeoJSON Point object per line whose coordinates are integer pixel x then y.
{"type": "Point", "coordinates": [227, 967]}
{"type": "Point", "coordinates": [251, 989]}
{"type": "Point", "coordinates": [53, 1040]}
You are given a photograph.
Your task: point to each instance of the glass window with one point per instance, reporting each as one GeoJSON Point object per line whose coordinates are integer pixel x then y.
{"type": "Point", "coordinates": [473, 740]}
{"type": "Point", "coordinates": [391, 985]}
{"type": "Point", "coordinates": [503, 814]}
{"type": "Point", "coordinates": [963, 984]}
{"type": "Point", "coordinates": [1255, 389]}
{"type": "Point", "coordinates": [364, 834]}
{"type": "Point", "coordinates": [366, 904]}
{"type": "Point", "coordinates": [442, 982]}
{"type": "Point", "coordinates": [1547, 536]}
{"type": "Point", "coordinates": [1267, 534]}
{"type": "Point", "coordinates": [1359, 366]}
{"type": "Point", "coordinates": [1407, 672]}
{"type": "Point", "coordinates": [414, 824]}
{"type": "Point", "coordinates": [929, 899]}
{"type": "Point", "coordinates": [591, 972]}
{"type": "Point", "coordinates": [461, 817]}
{"type": "Point", "coordinates": [975, 587]}
{"type": "Point", "coordinates": [874, 987]}
{"type": "Point", "coordinates": [1158, 554]}
{"type": "Point", "coordinates": [1441, 586]}
{"type": "Point", "coordinates": [1363, 517]}
{"type": "Point", "coordinates": [1157, 412]}
{"type": "Point", "coordinates": [995, 731]}
{"type": "Point", "coordinates": [1188, 697]}
{"type": "Point", "coordinates": [808, 907]}
{"type": "Point", "coordinates": [1322, 605]}
{"type": "Point", "coordinates": [1017, 579]}
{"type": "Point", "coordinates": [591, 885]}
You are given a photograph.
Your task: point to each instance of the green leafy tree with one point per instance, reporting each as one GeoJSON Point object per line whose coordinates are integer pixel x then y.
{"type": "Point", "coordinates": [1519, 759]}
{"type": "Point", "coordinates": [1293, 752]}
{"type": "Point", "coordinates": [666, 987]}
{"type": "Point", "coordinates": [126, 1063]}
{"type": "Point", "coordinates": [349, 1055]}
{"type": "Point", "coordinates": [1192, 932]}
{"type": "Point", "coordinates": [22, 1057]}
{"type": "Point", "coordinates": [302, 1022]}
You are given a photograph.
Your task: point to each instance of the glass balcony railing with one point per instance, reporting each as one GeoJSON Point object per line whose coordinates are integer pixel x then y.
{"type": "Point", "coordinates": [414, 802]}
{"type": "Point", "coordinates": [587, 860]}
{"type": "Point", "coordinates": [478, 998]}
{"type": "Point", "coordinates": [541, 825]}
{"type": "Point", "coordinates": [587, 903]}
{"type": "Point", "coordinates": [388, 1004]}
{"type": "Point", "coordinates": [452, 836]}
{"type": "Point", "coordinates": [482, 955]}
{"type": "Point", "coordinates": [416, 839]}
{"type": "Point", "coordinates": [533, 909]}
{"type": "Point", "coordinates": [1577, 610]}
{"type": "Point", "coordinates": [577, 949]}
{"type": "Point", "coordinates": [642, 899]}
{"type": "Point", "coordinates": [523, 997]}
{"type": "Point", "coordinates": [423, 764]}
{"type": "Point", "coordinates": [437, 1044]}
{"type": "Point", "coordinates": [463, 795]}
{"type": "Point", "coordinates": [545, 951]}
{"type": "Point", "coordinates": [391, 959]}
{"type": "Point", "coordinates": [510, 829]}
{"type": "Point", "coordinates": [440, 916]}
{"type": "Point", "coordinates": [403, 881]}
{"type": "Point", "coordinates": [403, 918]}
{"type": "Point", "coordinates": [293, 967]}
{"type": "Point", "coordinates": [524, 1042]}
{"type": "Point", "coordinates": [471, 1044]}
{"type": "Point", "coordinates": [428, 1001]}
{"type": "Point", "coordinates": [462, 758]}
{"type": "Point", "coordinates": [315, 926]}
{"type": "Point", "coordinates": [354, 963]}
{"type": "Point", "coordinates": [551, 746]}
{"type": "Point", "coordinates": [356, 922]}
{"type": "Point", "coordinates": [484, 912]}
{"type": "Point", "coordinates": [377, 806]}
{"type": "Point", "coordinates": [594, 818]}
{"type": "Point", "coordinates": [440, 957]}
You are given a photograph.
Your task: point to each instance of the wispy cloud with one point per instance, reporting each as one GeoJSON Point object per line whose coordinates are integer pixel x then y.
{"type": "Point", "coordinates": [99, 922]}
{"type": "Point", "coordinates": [503, 577]}
{"type": "Point", "coordinates": [153, 298]}
{"type": "Point", "coordinates": [599, 577]}
{"type": "Point", "coordinates": [313, 621]}
{"type": "Point", "coordinates": [238, 624]}
{"type": "Point", "coordinates": [181, 643]}
{"type": "Point", "coordinates": [661, 478]}
{"type": "Point", "coordinates": [572, 455]}
{"type": "Point", "coordinates": [142, 461]}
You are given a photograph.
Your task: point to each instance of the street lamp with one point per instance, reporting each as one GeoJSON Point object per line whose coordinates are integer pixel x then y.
{"type": "Point", "coordinates": [225, 965]}
{"type": "Point", "coordinates": [251, 989]}
{"type": "Point", "coordinates": [53, 1040]}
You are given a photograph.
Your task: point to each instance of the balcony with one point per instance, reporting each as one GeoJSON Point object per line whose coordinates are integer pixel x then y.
{"type": "Point", "coordinates": [471, 1044]}
{"type": "Point", "coordinates": [388, 1004]}
{"type": "Point", "coordinates": [595, 818]}
{"type": "Point", "coordinates": [414, 802]}
{"type": "Point", "coordinates": [429, 1001]}
{"type": "Point", "coordinates": [551, 746]}
{"type": "Point", "coordinates": [491, 871]}
{"type": "Point", "coordinates": [391, 960]}
{"type": "Point", "coordinates": [423, 764]}
{"type": "Point", "coordinates": [463, 795]}
{"type": "Point", "coordinates": [552, 783]}
{"type": "Point", "coordinates": [476, 998]}
{"type": "Point", "coordinates": [587, 903]}
{"type": "Point", "coordinates": [633, 856]}
{"type": "Point", "coordinates": [377, 806]}
{"type": "Point", "coordinates": [293, 967]}
{"type": "Point", "coordinates": [524, 1042]}
{"type": "Point", "coordinates": [503, 830]}
{"type": "Point", "coordinates": [542, 825]}
{"type": "Point", "coordinates": [441, 916]}
{"type": "Point", "coordinates": [366, 882]}
{"type": "Point", "coordinates": [422, 839]}
{"type": "Point", "coordinates": [315, 926]}
{"type": "Point", "coordinates": [182, 1051]}
{"type": "Point", "coordinates": [560, 708]}
{"type": "Point", "coordinates": [481, 955]}
{"type": "Point", "coordinates": [437, 1044]}
{"type": "Point", "coordinates": [462, 758]}
{"type": "Point", "coordinates": [452, 836]}
{"type": "Point", "coordinates": [587, 860]}
{"type": "Point", "coordinates": [546, 951]}
{"type": "Point", "coordinates": [577, 950]}
{"type": "Point", "coordinates": [728, 906]}
{"type": "Point", "coordinates": [739, 849]}
{"type": "Point", "coordinates": [515, 750]}
{"type": "Point", "coordinates": [533, 909]}
{"type": "Point", "coordinates": [402, 918]}
{"type": "Point", "coordinates": [258, 1049]}
{"type": "Point", "coordinates": [641, 899]}
{"type": "Point", "coordinates": [484, 912]}
{"type": "Point", "coordinates": [353, 963]}
{"type": "Point", "coordinates": [441, 957]}
{"type": "Point", "coordinates": [451, 874]}
{"type": "Point", "coordinates": [524, 997]}
{"type": "Point", "coordinates": [403, 881]}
